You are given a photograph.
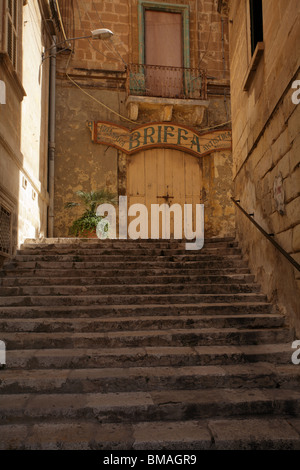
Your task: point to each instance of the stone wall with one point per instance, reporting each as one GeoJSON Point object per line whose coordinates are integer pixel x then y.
{"type": "Point", "coordinates": [79, 163]}
{"type": "Point", "coordinates": [23, 131]}
{"type": "Point", "coordinates": [121, 16]}
{"type": "Point", "coordinates": [91, 85]}
{"type": "Point", "coordinates": [34, 198]}
{"type": "Point", "coordinates": [266, 148]}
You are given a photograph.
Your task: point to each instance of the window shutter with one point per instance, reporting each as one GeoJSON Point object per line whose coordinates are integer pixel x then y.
{"type": "Point", "coordinates": [5, 231]}
{"type": "Point", "coordinates": [12, 21]}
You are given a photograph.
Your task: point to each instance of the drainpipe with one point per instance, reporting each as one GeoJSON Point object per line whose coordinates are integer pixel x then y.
{"type": "Point", "coordinates": [51, 144]}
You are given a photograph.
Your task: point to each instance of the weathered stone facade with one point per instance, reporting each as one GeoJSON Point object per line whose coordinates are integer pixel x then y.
{"type": "Point", "coordinates": [100, 69]}
{"type": "Point", "coordinates": [266, 146]}
{"type": "Point", "coordinates": [24, 125]}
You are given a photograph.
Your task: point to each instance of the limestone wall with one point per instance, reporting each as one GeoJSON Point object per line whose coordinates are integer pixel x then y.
{"type": "Point", "coordinates": [34, 134]}
{"type": "Point", "coordinates": [23, 131]}
{"type": "Point", "coordinates": [266, 148]}
{"type": "Point", "coordinates": [79, 163]}
{"type": "Point", "coordinates": [93, 77]}
{"type": "Point", "coordinates": [121, 16]}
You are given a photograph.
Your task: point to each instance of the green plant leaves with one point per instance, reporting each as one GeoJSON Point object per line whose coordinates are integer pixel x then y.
{"type": "Point", "coordinates": [90, 200]}
{"type": "Point", "coordinates": [86, 223]}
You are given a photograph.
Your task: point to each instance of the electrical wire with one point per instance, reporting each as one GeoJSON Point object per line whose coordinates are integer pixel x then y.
{"type": "Point", "coordinates": [92, 46]}
{"type": "Point", "coordinates": [98, 101]}
{"type": "Point", "coordinates": [92, 97]}
{"type": "Point", "coordinates": [35, 30]}
{"type": "Point", "coordinates": [206, 50]}
{"type": "Point", "coordinates": [54, 55]}
{"type": "Point", "coordinates": [112, 110]}
{"type": "Point", "coordinates": [44, 19]}
{"type": "Point", "coordinates": [105, 42]}
{"type": "Point", "coordinates": [101, 53]}
{"type": "Point", "coordinates": [60, 20]}
{"type": "Point", "coordinates": [215, 127]}
{"type": "Point", "coordinates": [104, 27]}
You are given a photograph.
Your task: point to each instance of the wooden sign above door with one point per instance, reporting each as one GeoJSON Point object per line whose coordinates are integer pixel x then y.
{"type": "Point", "coordinates": [159, 135]}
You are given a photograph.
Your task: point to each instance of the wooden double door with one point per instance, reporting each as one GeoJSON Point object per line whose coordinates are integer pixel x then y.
{"type": "Point", "coordinates": [164, 176]}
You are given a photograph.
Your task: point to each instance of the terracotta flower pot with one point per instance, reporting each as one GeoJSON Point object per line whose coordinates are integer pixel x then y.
{"type": "Point", "coordinates": [88, 234]}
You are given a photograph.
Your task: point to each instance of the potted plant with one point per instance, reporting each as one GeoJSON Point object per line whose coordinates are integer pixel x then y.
{"type": "Point", "coordinates": [85, 226]}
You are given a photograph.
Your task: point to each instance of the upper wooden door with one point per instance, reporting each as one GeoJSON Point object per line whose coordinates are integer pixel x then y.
{"type": "Point", "coordinates": [163, 47]}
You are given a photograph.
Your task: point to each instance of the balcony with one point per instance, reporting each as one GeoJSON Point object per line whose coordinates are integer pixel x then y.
{"type": "Point", "coordinates": [166, 90]}
{"type": "Point", "coordinates": [166, 82]}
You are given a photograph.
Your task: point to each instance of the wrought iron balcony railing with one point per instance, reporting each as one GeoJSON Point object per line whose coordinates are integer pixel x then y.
{"type": "Point", "coordinates": [166, 82]}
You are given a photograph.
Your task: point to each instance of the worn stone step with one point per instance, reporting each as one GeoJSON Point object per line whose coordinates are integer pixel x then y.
{"type": "Point", "coordinates": [78, 325]}
{"type": "Point", "coordinates": [154, 405]}
{"type": "Point", "coordinates": [119, 299]}
{"type": "Point", "coordinates": [123, 257]}
{"type": "Point", "coordinates": [112, 380]}
{"type": "Point", "coordinates": [120, 243]}
{"type": "Point", "coordinates": [260, 433]}
{"type": "Point", "coordinates": [130, 251]}
{"type": "Point", "coordinates": [115, 243]}
{"type": "Point", "coordinates": [86, 243]}
{"type": "Point", "coordinates": [228, 262]}
{"type": "Point", "coordinates": [38, 272]}
{"type": "Point", "coordinates": [114, 289]}
{"type": "Point", "coordinates": [171, 337]}
{"type": "Point", "coordinates": [137, 335]}
{"type": "Point", "coordinates": [116, 380]}
{"type": "Point", "coordinates": [126, 280]}
{"type": "Point", "coordinates": [148, 356]}
{"type": "Point", "coordinates": [91, 311]}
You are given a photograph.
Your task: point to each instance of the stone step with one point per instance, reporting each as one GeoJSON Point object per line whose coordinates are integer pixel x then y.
{"type": "Point", "coordinates": [148, 356]}
{"type": "Point", "coordinates": [171, 337]}
{"type": "Point", "coordinates": [91, 311]}
{"type": "Point", "coordinates": [117, 339]}
{"type": "Point", "coordinates": [114, 380]}
{"type": "Point", "coordinates": [260, 433]}
{"type": "Point", "coordinates": [114, 289]}
{"type": "Point", "coordinates": [124, 257]}
{"type": "Point", "coordinates": [115, 243]}
{"type": "Point", "coordinates": [112, 244]}
{"type": "Point", "coordinates": [134, 407]}
{"type": "Point", "coordinates": [127, 280]}
{"type": "Point", "coordinates": [39, 272]}
{"type": "Point", "coordinates": [130, 252]}
{"type": "Point", "coordinates": [228, 262]}
{"type": "Point", "coordinates": [50, 325]}
{"type": "Point", "coordinates": [119, 299]}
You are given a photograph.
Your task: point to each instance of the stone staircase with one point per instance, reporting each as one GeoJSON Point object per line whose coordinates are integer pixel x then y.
{"type": "Point", "coordinates": [142, 345]}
